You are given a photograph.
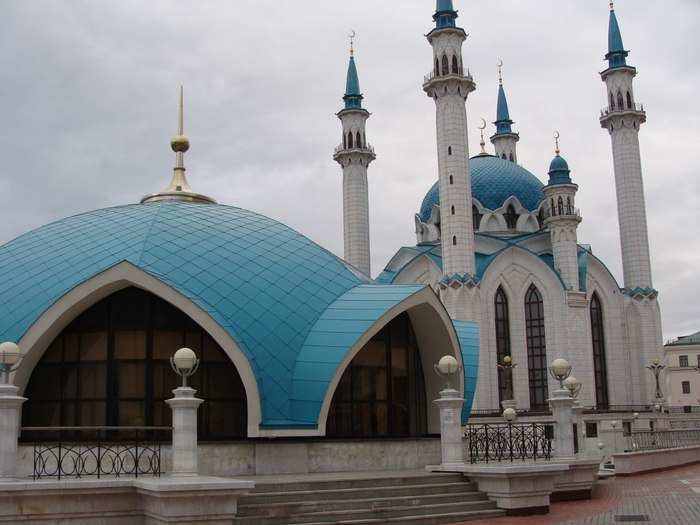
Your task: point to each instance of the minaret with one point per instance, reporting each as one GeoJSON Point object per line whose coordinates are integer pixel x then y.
{"type": "Point", "coordinates": [622, 119]}
{"type": "Point", "coordinates": [562, 218]}
{"type": "Point", "coordinates": [354, 155]}
{"type": "Point", "coordinates": [505, 141]}
{"type": "Point", "coordinates": [179, 189]}
{"type": "Point", "coordinates": [449, 85]}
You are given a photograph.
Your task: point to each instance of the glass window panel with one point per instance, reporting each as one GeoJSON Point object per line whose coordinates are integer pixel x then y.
{"type": "Point", "coordinates": [381, 419]}
{"type": "Point", "coordinates": [93, 380]}
{"type": "Point", "coordinates": [129, 309]}
{"type": "Point", "coordinates": [71, 347]}
{"type": "Point", "coordinates": [93, 346]}
{"type": "Point", "coordinates": [130, 344]}
{"type": "Point", "coordinates": [536, 348]}
{"type": "Point", "coordinates": [54, 354]}
{"type": "Point", "coordinates": [166, 343]}
{"type": "Point", "coordinates": [344, 390]}
{"type": "Point", "coordinates": [132, 413]}
{"type": "Point", "coordinates": [164, 380]}
{"type": "Point", "coordinates": [132, 380]}
{"type": "Point", "coordinates": [93, 413]}
{"type": "Point", "coordinates": [212, 351]}
{"type": "Point", "coordinates": [68, 414]}
{"type": "Point", "coordinates": [47, 384]}
{"type": "Point", "coordinates": [372, 355]}
{"type": "Point", "coordinates": [401, 423]}
{"type": "Point", "coordinates": [69, 381]}
{"type": "Point", "coordinates": [162, 414]}
{"type": "Point", "coordinates": [362, 420]}
{"type": "Point", "coordinates": [193, 340]}
{"type": "Point", "coordinates": [225, 418]}
{"type": "Point", "coordinates": [48, 414]}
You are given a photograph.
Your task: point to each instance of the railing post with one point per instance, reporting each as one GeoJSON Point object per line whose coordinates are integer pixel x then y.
{"type": "Point", "coordinates": [561, 403]}
{"type": "Point", "coordinates": [452, 448]}
{"type": "Point", "coordinates": [184, 451]}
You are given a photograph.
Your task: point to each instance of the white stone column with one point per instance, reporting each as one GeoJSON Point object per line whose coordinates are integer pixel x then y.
{"type": "Point", "coordinates": [576, 414]}
{"type": "Point", "coordinates": [10, 405]}
{"type": "Point", "coordinates": [561, 404]}
{"type": "Point", "coordinates": [450, 404]}
{"type": "Point", "coordinates": [184, 406]}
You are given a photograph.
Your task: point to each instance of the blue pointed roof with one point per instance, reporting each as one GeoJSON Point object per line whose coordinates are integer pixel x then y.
{"type": "Point", "coordinates": [445, 14]}
{"type": "Point", "coordinates": [503, 121]}
{"type": "Point", "coordinates": [559, 172]}
{"type": "Point", "coordinates": [617, 55]}
{"type": "Point", "coordinates": [353, 96]}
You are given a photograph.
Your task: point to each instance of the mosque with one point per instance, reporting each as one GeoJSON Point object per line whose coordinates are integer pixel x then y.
{"type": "Point", "coordinates": [296, 342]}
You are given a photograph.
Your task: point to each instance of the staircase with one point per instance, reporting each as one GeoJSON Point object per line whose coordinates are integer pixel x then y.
{"type": "Point", "coordinates": [401, 498]}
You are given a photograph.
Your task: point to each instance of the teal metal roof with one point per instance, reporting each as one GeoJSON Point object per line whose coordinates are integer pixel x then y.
{"type": "Point", "coordinates": [445, 14]}
{"type": "Point", "coordinates": [693, 339]}
{"type": "Point", "coordinates": [617, 55]}
{"type": "Point", "coordinates": [559, 172]}
{"type": "Point", "coordinates": [353, 96]}
{"type": "Point", "coordinates": [503, 121]}
{"type": "Point", "coordinates": [468, 335]}
{"type": "Point", "coordinates": [264, 283]}
{"type": "Point", "coordinates": [494, 180]}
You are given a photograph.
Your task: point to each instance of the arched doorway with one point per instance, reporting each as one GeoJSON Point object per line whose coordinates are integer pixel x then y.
{"type": "Point", "coordinates": [110, 367]}
{"type": "Point", "coordinates": [382, 391]}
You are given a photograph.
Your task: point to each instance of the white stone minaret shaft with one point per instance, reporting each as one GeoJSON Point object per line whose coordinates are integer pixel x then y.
{"type": "Point", "coordinates": [449, 85]}
{"type": "Point", "coordinates": [623, 119]}
{"type": "Point", "coordinates": [354, 154]}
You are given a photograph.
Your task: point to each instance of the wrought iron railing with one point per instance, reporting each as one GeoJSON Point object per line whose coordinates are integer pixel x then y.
{"type": "Point", "coordinates": [621, 109]}
{"type": "Point", "coordinates": [76, 452]}
{"type": "Point", "coordinates": [365, 148]}
{"type": "Point", "coordinates": [509, 442]}
{"type": "Point", "coordinates": [657, 440]}
{"type": "Point", "coordinates": [432, 75]}
{"type": "Point", "coordinates": [618, 408]}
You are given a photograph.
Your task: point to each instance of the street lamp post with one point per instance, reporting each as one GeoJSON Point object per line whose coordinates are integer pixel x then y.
{"type": "Point", "coordinates": [184, 406]}
{"type": "Point", "coordinates": [450, 405]}
{"type": "Point", "coordinates": [10, 405]}
{"type": "Point", "coordinates": [561, 404]}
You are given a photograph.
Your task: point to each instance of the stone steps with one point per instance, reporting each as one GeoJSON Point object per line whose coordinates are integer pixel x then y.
{"type": "Point", "coordinates": [416, 499]}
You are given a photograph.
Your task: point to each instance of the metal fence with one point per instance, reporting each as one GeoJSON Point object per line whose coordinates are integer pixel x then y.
{"type": "Point", "coordinates": [638, 441]}
{"type": "Point", "coordinates": [509, 442]}
{"type": "Point", "coordinates": [76, 452]}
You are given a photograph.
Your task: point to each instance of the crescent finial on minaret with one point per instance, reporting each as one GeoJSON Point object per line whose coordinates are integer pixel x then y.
{"type": "Point", "coordinates": [500, 71]}
{"type": "Point", "coordinates": [352, 35]}
{"type": "Point", "coordinates": [556, 141]}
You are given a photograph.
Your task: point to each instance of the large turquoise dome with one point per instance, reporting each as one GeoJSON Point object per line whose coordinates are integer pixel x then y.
{"type": "Point", "coordinates": [493, 181]}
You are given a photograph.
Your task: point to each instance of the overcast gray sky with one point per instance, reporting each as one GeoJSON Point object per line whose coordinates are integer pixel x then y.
{"type": "Point", "coordinates": [89, 91]}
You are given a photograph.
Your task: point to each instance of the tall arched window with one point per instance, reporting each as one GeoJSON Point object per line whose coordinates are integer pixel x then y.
{"type": "Point", "coordinates": [454, 240]}
{"type": "Point", "coordinates": [359, 140]}
{"type": "Point", "coordinates": [503, 156]}
{"type": "Point", "coordinates": [437, 67]}
{"type": "Point", "coordinates": [560, 206]}
{"type": "Point", "coordinates": [540, 218]}
{"type": "Point", "coordinates": [476, 218]}
{"type": "Point", "coordinates": [345, 142]}
{"type": "Point", "coordinates": [511, 217]}
{"type": "Point", "coordinates": [599, 365]}
{"type": "Point", "coordinates": [502, 337]}
{"type": "Point", "coordinates": [455, 65]}
{"type": "Point", "coordinates": [620, 100]}
{"type": "Point", "coordinates": [511, 158]}
{"type": "Point", "coordinates": [552, 209]}
{"type": "Point", "coordinates": [350, 140]}
{"type": "Point", "coordinates": [612, 102]}
{"type": "Point", "coordinates": [569, 208]}
{"type": "Point", "coordinates": [629, 100]}
{"type": "Point", "coordinates": [452, 209]}
{"type": "Point", "coordinates": [536, 349]}
{"type": "Point", "coordinates": [382, 391]}
{"type": "Point", "coordinates": [445, 65]}
{"type": "Point", "coordinates": [111, 367]}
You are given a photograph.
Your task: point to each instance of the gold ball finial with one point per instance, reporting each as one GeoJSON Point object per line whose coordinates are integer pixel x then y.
{"type": "Point", "coordinates": [507, 360]}
{"type": "Point", "coordinates": [612, 6]}
{"type": "Point", "coordinates": [180, 144]}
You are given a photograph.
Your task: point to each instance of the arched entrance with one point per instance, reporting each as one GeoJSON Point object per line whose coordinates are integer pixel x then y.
{"type": "Point", "coordinates": [110, 367]}
{"type": "Point", "coordinates": [382, 391]}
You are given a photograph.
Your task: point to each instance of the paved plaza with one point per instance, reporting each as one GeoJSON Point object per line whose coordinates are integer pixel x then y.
{"type": "Point", "coordinates": [671, 497]}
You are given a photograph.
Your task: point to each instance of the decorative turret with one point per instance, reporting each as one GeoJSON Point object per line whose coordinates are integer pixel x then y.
{"type": "Point", "coordinates": [179, 189]}
{"type": "Point", "coordinates": [623, 119]}
{"type": "Point", "coordinates": [504, 140]}
{"type": "Point", "coordinates": [562, 218]}
{"type": "Point", "coordinates": [445, 14]}
{"type": "Point", "coordinates": [354, 155]}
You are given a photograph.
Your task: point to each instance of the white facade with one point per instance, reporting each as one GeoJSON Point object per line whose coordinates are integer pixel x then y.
{"type": "Point", "coordinates": [682, 360]}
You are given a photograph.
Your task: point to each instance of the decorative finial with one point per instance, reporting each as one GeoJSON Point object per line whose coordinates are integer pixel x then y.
{"type": "Point", "coordinates": [556, 140]}
{"type": "Point", "coordinates": [180, 143]}
{"type": "Point", "coordinates": [500, 71]}
{"type": "Point", "coordinates": [352, 35]}
{"type": "Point", "coordinates": [483, 143]}
{"type": "Point", "coordinates": [612, 6]}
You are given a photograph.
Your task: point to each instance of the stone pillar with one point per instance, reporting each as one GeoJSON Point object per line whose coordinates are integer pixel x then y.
{"type": "Point", "coordinates": [184, 406]}
{"type": "Point", "coordinates": [452, 447]}
{"type": "Point", "coordinates": [10, 404]}
{"type": "Point", "coordinates": [561, 404]}
{"type": "Point", "coordinates": [576, 414]}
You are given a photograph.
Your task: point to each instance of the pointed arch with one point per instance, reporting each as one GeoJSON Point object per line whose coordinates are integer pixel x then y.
{"type": "Point", "coordinates": [629, 100]}
{"type": "Point", "coordinates": [511, 158]}
{"type": "Point", "coordinates": [560, 206]}
{"type": "Point", "coordinates": [350, 140]}
{"type": "Point", "coordinates": [620, 100]}
{"type": "Point", "coordinates": [536, 342]}
{"type": "Point", "coordinates": [569, 207]}
{"type": "Point", "coordinates": [511, 217]}
{"type": "Point", "coordinates": [612, 102]}
{"type": "Point", "coordinates": [455, 65]}
{"type": "Point", "coordinates": [476, 218]}
{"type": "Point", "coordinates": [503, 349]}
{"type": "Point", "coordinates": [358, 140]}
{"type": "Point", "coordinates": [599, 358]}
{"type": "Point", "coordinates": [437, 67]}
{"type": "Point", "coordinates": [445, 65]}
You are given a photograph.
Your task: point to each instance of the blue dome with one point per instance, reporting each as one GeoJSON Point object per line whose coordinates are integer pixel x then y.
{"type": "Point", "coordinates": [493, 181]}
{"type": "Point", "coordinates": [559, 172]}
{"type": "Point", "coordinates": [559, 164]}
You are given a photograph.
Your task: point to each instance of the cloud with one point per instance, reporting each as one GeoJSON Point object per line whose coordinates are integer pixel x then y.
{"type": "Point", "coordinates": [89, 96]}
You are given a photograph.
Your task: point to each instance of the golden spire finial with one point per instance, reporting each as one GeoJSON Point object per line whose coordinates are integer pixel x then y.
{"type": "Point", "coordinates": [352, 42]}
{"type": "Point", "coordinates": [612, 5]}
{"type": "Point", "coordinates": [500, 72]}
{"type": "Point", "coordinates": [483, 142]}
{"type": "Point", "coordinates": [556, 141]}
{"type": "Point", "coordinates": [180, 143]}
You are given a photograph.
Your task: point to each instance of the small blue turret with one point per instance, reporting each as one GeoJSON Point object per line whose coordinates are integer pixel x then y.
{"type": "Point", "coordinates": [353, 97]}
{"type": "Point", "coordinates": [559, 172]}
{"type": "Point", "coordinates": [503, 122]}
{"type": "Point", "coordinates": [617, 55]}
{"type": "Point", "coordinates": [445, 14]}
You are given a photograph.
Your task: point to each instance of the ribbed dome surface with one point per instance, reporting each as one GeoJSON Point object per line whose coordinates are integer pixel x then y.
{"type": "Point", "coordinates": [493, 181]}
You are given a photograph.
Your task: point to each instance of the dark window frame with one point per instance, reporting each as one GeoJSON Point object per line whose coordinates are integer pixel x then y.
{"type": "Point", "coordinates": [503, 348]}
{"type": "Point", "coordinates": [536, 342]}
{"type": "Point", "coordinates": [600, 369]}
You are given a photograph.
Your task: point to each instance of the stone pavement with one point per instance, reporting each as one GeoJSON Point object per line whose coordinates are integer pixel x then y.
{"type": "Point", "coordinates": [670, 497]}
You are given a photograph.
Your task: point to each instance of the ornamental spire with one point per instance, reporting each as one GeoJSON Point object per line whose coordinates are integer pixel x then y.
{"type": "Point", "coordinates": [445, 14]}
{"type": "Point", "coordinates": [617, 54]}
{"type": "Point", "coordinates": [353, 97]}
{"type": "Point", "coordinates": [503, 121]}
{"type": "Point", "coordinates": [179, 189]}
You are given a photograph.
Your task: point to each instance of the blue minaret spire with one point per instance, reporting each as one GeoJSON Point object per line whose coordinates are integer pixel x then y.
{"type": "Point", "coordinates": [505, 140]}
{"type": "Point", "coordinates": [503, 122]}
{"type": "Point", "coordinates": [353, 96]}
{"type": "Point", "coordinates": [445, 14]}
{"type": "Point", "coordinates": [617, 55]}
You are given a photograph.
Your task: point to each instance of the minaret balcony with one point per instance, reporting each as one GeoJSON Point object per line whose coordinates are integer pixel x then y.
{"type": "Point", "coordinates": [636, 110]}
{"type": "Point", "coordinates": [432, 79]}
{"type": "Point", "coordinates": [565, 212]}
{"type": "Point", "coordinates": [367, 150]}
